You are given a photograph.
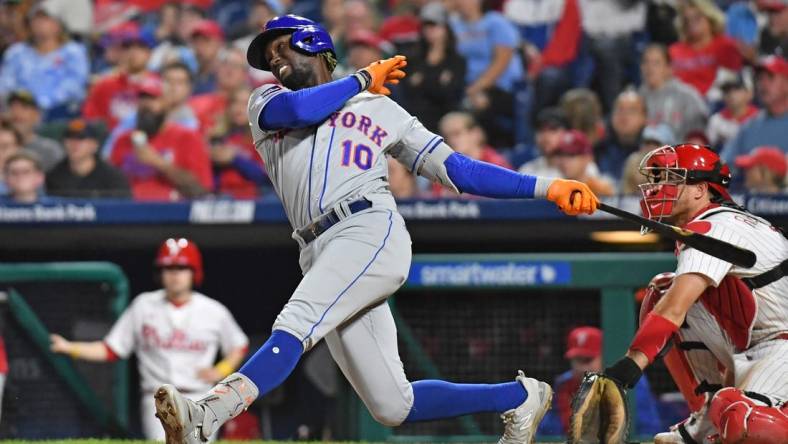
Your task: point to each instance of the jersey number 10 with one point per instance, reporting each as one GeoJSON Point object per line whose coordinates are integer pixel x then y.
{"type": "Point", "coordinates": [359, 154]}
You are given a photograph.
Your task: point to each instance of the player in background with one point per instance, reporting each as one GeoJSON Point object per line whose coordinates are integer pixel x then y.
{"type": "Point", "coordinates": [324, 144]}
{"type": "Point", "coordinates": [175, 333]}
{"type": "Point", "coordinates": [729, 325]}
{"type": "Point", "coordinates": [584, 353]}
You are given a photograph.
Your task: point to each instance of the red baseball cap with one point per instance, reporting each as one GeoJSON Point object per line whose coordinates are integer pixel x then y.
{"type": "Point", "coordinates": [774, 64]}
{"type": "Point", "coordinates": [149, 85]}
{"type": "Point", "coordinates": [208, 28]}
{"type": "Point", "coordinates": [368, 38]}
{"type": "Point", "coordinates": [772, 5]}
{"type": "Point", "coordinates": [771, 157]}
{"type": "Point", "coordinates": [585, 342]}
{"type": "Point", "coordinates": [574, 142]}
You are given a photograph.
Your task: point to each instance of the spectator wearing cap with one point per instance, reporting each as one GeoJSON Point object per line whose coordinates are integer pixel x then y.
{"type": "Point", "coordinates": [113, 97]}
{"type": "Point", "coordinates": [237, 167]}
{"type": "Point", "coordinates": [174, 89]}
{"type": "Point", "coordinates": [552, 34]}
{"type": "Point", "coordinates": [436, 76]}
{"type": "Point", "coordinates": [703, 53]}
{"type": "Point", "coordinates": [83, 174]}
{"type": "Point", "coordinates": [623, 136]}
{"type": "Point", "coordinates": [724, 124]}
{"type": "Point", "coordinates": [574, 155]}
{"type": "Point", "coordinates": [464, 134]}
{"type": "Point", "coordinates": [54, 69]}
{"type": "Point", "coordinates": [10, 144]}
{"type": "Point", "coordinates": [365, 47]}
{"type": "Point", "coordinates": [584, 353]}
{"type": "Point", "coordinates": [764, 170]}
{"type": "Point", "coordinates": [403, 29]}
{"type": "Point", "coordinates": [24, 114]}
{"type": "Point", "coordinates": [206, 39]}
{"type": "Point", "coordinates": [774, 36]}
{"type": "Point", "coordinates": [489, 44]}
{"type": "Point", "coordinates": [162, 160]}
{"type": "Point", "coordinates": [768, 128]}
{"type": "Point", "coordinates": [551, 124]}
{"type": "Point", "coordinates": [24, 178]}
{"type": "Point", "coordinates": [654, 136]}
{"type": "Point", "coordinates": [668, 99]}
{"type": "Point", "coordinates": [232, 75]}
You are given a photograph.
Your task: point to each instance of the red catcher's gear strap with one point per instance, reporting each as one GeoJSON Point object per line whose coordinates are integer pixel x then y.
{"type": "Point", "coordinates": [652, 335]}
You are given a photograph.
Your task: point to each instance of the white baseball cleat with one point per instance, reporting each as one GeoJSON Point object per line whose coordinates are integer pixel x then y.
{"type": "Point", "coordinates": [693, 430]}
{"type": "Point", "coordinates": [520, 423]}
{"type": "Point", "coordinates": [181, 417]}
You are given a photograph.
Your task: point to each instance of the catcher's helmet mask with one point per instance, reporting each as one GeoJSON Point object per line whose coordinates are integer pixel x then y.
{"type": "Point", "coordinates": [668, 167]}
{"type": "Point", "coordinates": [306, 36]}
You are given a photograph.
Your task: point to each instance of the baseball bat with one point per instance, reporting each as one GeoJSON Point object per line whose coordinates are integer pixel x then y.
{"type": "Point", "coordinates": [709, 245]}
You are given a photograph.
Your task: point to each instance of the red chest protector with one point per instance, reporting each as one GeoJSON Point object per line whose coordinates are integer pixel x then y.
{"type": "Point", "coordinates": [734, 307]}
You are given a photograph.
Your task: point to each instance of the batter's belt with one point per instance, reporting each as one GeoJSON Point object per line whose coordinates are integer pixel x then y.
{"type": "Point", "coordinates": [322, 223]}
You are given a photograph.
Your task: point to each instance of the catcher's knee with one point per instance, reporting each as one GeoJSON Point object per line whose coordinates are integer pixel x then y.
{"type": "Point", "coordinates": [739, 419]}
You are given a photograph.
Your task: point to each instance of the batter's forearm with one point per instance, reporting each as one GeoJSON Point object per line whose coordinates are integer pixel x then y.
{"type": "Point", "coordinates": [488, 180]}
{"type": "Point", "coordinates": [308, 106]}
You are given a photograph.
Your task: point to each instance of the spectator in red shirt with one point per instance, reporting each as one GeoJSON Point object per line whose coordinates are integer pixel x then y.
{"type": "Point", "coordinates": [574, 159]}
{"type": "Point", "coordinates": [232, 75]}
{"type": "Point", "coordinates": [703, 52]}
{"type": "Point", "coordinates": [114, 96]}
{"type": "Point", "coordinates": [162, 160]}
{"type": "Point", "coordinates": [463, 133]}
{"type": "Point", "coordinates": [237, 168]}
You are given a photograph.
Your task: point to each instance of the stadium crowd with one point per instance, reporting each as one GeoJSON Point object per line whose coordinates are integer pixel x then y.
{"type": "Point", "coordinates": [147, 98]}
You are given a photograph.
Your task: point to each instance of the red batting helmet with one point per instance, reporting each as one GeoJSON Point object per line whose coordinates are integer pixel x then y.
{"type": "Point", "coordinates": [181, 252]}
{"type": "Point", "coordinates": [670, 166]}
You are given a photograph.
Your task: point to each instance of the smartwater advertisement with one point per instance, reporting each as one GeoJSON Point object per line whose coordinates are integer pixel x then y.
{"type": "Point", "coordinates": [489, 273]}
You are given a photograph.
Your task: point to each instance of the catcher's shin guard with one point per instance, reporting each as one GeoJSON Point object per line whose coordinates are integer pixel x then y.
{"type": "Point", "coordinates": [739, 420]}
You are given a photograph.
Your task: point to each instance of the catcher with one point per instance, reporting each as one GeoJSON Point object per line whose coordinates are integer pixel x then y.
{"type": "Point", "coordinates": [728, 325]}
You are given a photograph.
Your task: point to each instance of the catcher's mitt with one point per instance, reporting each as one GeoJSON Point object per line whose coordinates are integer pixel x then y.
{"type": "Point", "coordinates": [599, 412]}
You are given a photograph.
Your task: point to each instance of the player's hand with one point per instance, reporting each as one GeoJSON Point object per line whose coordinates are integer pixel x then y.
{"type": "Point", "coordinates": [59, 344]}
{"type": "Point", "coordinates": [382, 72]}
{"type": "Point", "coordinates": [210, 375]}
{"type": "Point", "coordinates": [572, 197]}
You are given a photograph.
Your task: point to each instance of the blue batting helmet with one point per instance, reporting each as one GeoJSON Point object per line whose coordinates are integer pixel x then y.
{"type": "Point", "coordinates": [307, 37]}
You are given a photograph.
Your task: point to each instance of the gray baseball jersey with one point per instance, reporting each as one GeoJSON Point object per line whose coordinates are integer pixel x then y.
{"type": "Point", "coordinates": [315, 168]}
{"type": "Point", "coordinates": [352, 268]}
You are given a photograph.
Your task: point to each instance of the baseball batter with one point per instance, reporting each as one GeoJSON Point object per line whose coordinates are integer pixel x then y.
{"type": "Point", "coordinates": [729, 325]}
{"type": "Point", "coordinates": [325, 144]}
{"type": "Point", "coordinates": [175, 333]}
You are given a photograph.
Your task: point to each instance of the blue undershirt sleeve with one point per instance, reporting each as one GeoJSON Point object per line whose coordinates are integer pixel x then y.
{"type": "Point", "coordinates": [308, 106]}
{"type": "Point", "coordinates": [488, 180]}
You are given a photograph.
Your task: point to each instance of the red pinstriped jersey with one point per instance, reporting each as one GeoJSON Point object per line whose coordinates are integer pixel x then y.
{"type": "Point", "coordinates": [753, 233]}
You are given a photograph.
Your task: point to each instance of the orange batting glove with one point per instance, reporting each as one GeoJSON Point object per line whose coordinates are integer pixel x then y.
{"type": "Point", "coordinates": [382, 72]}
{"type": "Point", "coordinates": [572, 197]}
